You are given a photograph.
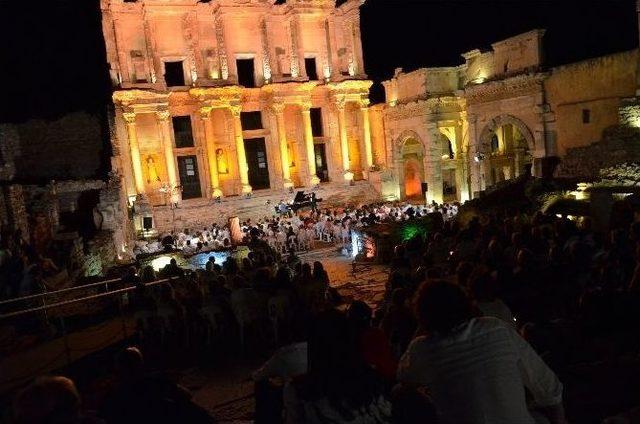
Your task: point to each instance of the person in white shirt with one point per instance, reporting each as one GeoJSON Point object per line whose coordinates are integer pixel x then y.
{"type": "Point", "coordinates": [476, 369]}
{"type": "Point", "coordinates": [286, 363]}
{"type": "Point", "coordinates": [482, 289]}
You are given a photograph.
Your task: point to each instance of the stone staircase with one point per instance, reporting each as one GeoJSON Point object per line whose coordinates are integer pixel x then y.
{"type": "Point", "coordinates": [200, 213]}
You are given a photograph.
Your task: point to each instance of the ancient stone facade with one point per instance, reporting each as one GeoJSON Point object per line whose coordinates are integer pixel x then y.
{"type": "Point", "coordinates": [223, 98]}
{"type": "Point", "coordinates": [464, 129]}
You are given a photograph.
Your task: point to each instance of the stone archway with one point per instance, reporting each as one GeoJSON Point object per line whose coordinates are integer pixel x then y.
{"type": "Point", "coordinates": [505, 143]}
{"type": "Point", "coordinates": [499, 121]}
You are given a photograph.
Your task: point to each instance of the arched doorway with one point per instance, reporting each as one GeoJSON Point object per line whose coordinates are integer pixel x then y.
{"type": "Point", "coordinates": [412, 180]}
{"type": "Point", "coordinates": [412, 158]}
{"type": "Point", "coordinates": [505, 145]}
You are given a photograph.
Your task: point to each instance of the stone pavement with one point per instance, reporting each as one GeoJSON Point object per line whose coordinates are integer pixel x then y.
{"type": "Point", "coordinates": [225, 390]}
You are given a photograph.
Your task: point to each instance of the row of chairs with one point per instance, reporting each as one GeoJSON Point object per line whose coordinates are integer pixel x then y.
{"type": "Point", "coordinates": [249, 308]}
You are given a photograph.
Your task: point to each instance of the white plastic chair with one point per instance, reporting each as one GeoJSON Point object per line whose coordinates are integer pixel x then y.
{"type": "Point", "coordinates": [245, 306]}
{"type": "Point", "coordinates": [279, 311]}
{"type": "Point", "coordinates": [212, 315]}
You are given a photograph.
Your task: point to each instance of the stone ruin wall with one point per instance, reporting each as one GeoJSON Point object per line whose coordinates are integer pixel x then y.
{"type": "Point", "coordinates": [619, 144]}
{"type": "Point", "coordinates": [70, 147]}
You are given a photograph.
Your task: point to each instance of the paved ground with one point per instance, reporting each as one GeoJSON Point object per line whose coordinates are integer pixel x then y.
{"type": "Point", "coordinates": [225, 390]}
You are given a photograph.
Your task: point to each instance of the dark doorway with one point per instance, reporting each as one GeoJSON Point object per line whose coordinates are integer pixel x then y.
{"type": "Point", "coordinates": [257, 163]}
{"type": "Point", "coordinates": [310, 67]}
{"type": "Point", "coordinates": [246, 73]}
{"type": "Point", "coordinates": [182, 131]}
{"type": "Point", "coordinates": [174, 74]}
{"type": "Point", "coordinates": [189, 179]}
{"type": "Point", "coordinates": [322, 171]}
{"type": "Point", "coordinates": [316, 122]}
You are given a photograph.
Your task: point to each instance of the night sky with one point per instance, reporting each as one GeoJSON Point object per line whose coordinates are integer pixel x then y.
{"type": "Point", "coordinates": [53, 58]}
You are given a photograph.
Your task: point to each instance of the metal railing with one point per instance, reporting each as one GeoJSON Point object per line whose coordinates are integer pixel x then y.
{"type": "Point", "coordinates": [44, 307]}
{"type": "Point", "coordinates": [65, 351]}
{"type": "Point", "coordinates": [55, 292]}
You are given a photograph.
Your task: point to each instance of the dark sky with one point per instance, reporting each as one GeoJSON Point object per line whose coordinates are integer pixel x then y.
{"type": "Point", "coordinates": [53, 60]}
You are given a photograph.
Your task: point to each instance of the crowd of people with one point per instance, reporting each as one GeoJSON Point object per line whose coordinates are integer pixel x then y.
{"type": "Point", "coordinates": [298, 231]}
{"type": "Point", "coordinates": [480, 321]}
{"type": "Point", "coordinates": [22, 270]}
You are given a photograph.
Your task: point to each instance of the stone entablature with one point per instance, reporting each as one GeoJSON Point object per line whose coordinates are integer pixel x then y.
{"type": "Point", "coordinates": [432, 106]}
{"type": "Point", "coordinates": [521, 85]}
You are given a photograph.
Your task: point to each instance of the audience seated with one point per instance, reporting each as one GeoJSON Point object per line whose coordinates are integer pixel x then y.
{"type": "Point", "coordinates": [476, 369]}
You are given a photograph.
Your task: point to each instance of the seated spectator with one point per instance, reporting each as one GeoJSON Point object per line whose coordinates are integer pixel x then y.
{"type": "Point", "coordinates": [412, 406]}
{"type": "Point", "coordinates": [286, 363]}
{"type": "Point", "coordinates": [139, 397]}
{"type": "Point", "coordinates": [476, 369]}
{"type": "Point", "coordinates": [482, 290]}
{"type": "Point", "coordinates": [372, 342]}
{"type": "Point", "coordinates": [398, 323]}
{"type": "Point", "coordinates": [339, 386]}
{"type": "Point", "coordinates": [48, 400]}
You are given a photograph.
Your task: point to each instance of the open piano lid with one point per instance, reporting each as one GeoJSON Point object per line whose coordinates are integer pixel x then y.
{"type": "Point", "coordinates": [300, 197]}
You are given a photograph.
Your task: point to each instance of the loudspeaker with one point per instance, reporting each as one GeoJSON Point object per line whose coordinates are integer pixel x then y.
{"type": "Point", "coordinates": [425, 188]}
{"type": "Point", "coordinates": [147, 222]}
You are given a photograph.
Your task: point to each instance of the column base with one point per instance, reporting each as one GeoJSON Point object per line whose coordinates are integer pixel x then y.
{"type": "Point", "coordinates": [175, 198]}
{"type": "Point", "coordinates": [314, 181]}
{"type": "Point", "coordinates": [246, 190]}
{"type": "Point", "coordinates": [216, 193]}
{"type": "Point", "coordinates": [287, 184]}
{"type": "Point", "coordinates": [348, 175]}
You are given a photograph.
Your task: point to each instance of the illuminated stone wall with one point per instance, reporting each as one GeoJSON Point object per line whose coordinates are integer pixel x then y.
{"type": "Point", "coordinates": [504, 112]}
{"type": "Point", "coordinates": [594, 87]}
{"type": "Point", "coordinates": [149, 40]}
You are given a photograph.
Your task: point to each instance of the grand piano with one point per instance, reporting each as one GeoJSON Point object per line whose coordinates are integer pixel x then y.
{"type": "Point", "coordinates": [301, 200]}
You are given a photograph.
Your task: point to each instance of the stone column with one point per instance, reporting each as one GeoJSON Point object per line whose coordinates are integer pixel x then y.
{"type": "Point", "coordinates": [243, 168]}
{"type": "Point", "coordinates": [278, 109]}
{"type": "Point", "coordinates": [308, 142]}
{"type": "Point", "coordinates": [136, 162]}
{"type": "Point", "coordinates": [295, 59]}
{"type": "Point", "coordinates": [367, 159]}
{"type": "Point", "coordinates": [222, 51]}
{"type": "Point", "coordinates": [517, 161]}
{"type": "Point", "coordinates": [433, 161]}
{"type": "Point", "coordinates": [205, 115]}
{"type": "Point", "coordinates": [167, 147]}
{"type": "Point", "coordinates": [344, 141]}
{"type": "Point", "coordinates": [475, 165]}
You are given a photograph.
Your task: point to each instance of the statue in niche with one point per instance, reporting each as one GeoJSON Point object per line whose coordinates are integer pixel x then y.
{"type": "Point", "coordinates": [152, 171]}
{"type": "Point", "coordinates": [221, 160]}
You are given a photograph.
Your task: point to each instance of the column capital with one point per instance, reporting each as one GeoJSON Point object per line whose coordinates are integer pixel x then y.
{"type": "Point", "coordinates": [340, 103]}
{"type": "Point", "coordinates": [163, 115]}
{"type": "Point", "coordinates": [129, 117]}
{"type": "Point", "coordinates": [205, 112]}
{"type": "Point", "coordinates": [235, 110]}
{"type": "Point", "coordinates": [278, 108]}
{"type": "Point", "coordinates": [306, 107]}
{"type": "Point", "coordinates": [364, 103]}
